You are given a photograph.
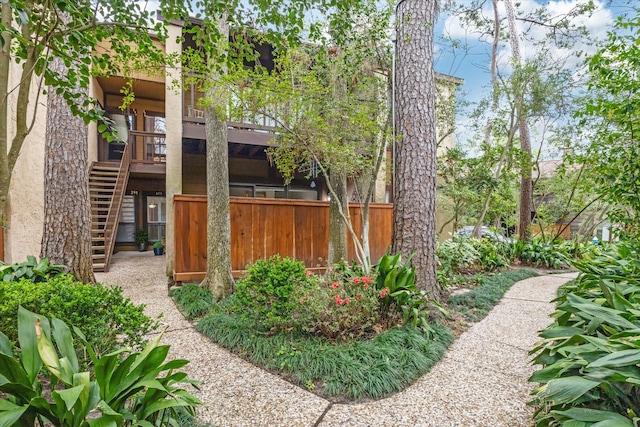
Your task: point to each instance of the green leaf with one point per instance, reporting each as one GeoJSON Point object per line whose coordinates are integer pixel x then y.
{"type": "Point", "coordinates": [566, 390]}
{"type": "Point", "coordinates": [69, 396]}
{"type": "Point", "coordinates": [28, 342]}
{"type": "Point", "coordinates": [64, 341]}
{"type": "Point", "coordinates": [5, 345]}
{"type": "Point", "coordinates": [619, 358]}
{"type": "Point", "coordinates": [104, 421]}
{"type": "Point", "coordinates": [595, 415]}
{"type": "Point", "coordinates": [10, 413]}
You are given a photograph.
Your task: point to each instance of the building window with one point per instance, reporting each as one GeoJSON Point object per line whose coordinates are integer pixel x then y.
{"type": "Point", "coordinates": [127, 221]}
{"type": "Point", "coordinates": [155, 146]}
{"type": "Point", "coordinates": [156, 217]}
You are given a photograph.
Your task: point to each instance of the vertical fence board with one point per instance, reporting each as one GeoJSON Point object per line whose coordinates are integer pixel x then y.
{"type": "Point", "coordinates": [261, 228]}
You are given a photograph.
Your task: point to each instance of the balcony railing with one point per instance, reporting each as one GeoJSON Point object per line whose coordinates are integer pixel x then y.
{"type": "Point", "coordinates": [148, 147]}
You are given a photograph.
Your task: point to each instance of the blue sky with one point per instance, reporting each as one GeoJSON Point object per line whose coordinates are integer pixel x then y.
{"type": "Point", "coordinates": [472, 62]}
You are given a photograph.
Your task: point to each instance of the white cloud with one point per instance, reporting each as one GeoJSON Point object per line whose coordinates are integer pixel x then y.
{"type": "Point", "coordinates": [595, 23]}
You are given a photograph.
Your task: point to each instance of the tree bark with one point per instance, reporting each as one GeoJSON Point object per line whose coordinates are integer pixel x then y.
{"type": "Point", "coordinates": [337, 226]}
{"type": "Point", "coordinates": [526, 187]}
{"type": "Point", "coordinates": [66, 237]}
{"type": "Point", "coordinates": [414, 211]}
{"type": "Point", "coordinates": [218, 279]}
{"type": "Point", "coordinates": [5, 62]}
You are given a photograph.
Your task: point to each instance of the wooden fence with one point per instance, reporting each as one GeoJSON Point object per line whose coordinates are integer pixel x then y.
{"type": "Point", "coordinates": [552, 230]}
{"type": "Point", "coordinates": [261, 228]}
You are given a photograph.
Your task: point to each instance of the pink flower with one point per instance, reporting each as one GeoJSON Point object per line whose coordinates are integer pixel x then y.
{"type": "Point", "coordinates": [335, 285]}
{"type": "Point", "coordinates": [365, 286]}
{"type": "Point", "coordinates": [347, 300]}
{"type": "Point", "coordinates": [383, 294]}
{"type": "Point", "coordinates": [339, 300]}
{"type": "Point", "coordinates": [309, 272]}
{"type": "Point", "coordinates": [366, 279]}
{"type": "Point", "coordinates": [356, 280]}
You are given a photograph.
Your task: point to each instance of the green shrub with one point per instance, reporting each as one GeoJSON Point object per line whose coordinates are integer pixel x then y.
{"type": "Point", "coordinates": [492, 255]}
{"type": "Point", "coordinates": [467, 255]}
{"type": "Point", "coordinates": [457, 255]}
{"type": "Point", "coordinates": [139, 389]}
{"type": "Point", "coordinates": [265, 295]}
{"type": "Point", "coordinates": [106, 317]}
{"type": "Point", "coordinates": [337, 307]}
{"type": "Point", "coordinates": [31, 269]}
{"type": "Point", "coordinates": [539, 253]}
{"type": "Point", "coordinates": [590, 354]}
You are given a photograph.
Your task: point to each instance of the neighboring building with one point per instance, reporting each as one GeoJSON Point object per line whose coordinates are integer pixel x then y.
{"type": "Point", "coordinates": [134, 184]}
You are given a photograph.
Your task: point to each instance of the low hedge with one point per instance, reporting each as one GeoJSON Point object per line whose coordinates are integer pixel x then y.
{"type": "Point", "coordinates": [103, 314]}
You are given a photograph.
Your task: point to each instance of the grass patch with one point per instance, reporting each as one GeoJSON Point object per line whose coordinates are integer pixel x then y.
{"type": "Point", "coordinates": [352, 370]}
{"type": "Point", "coordinates": [192, 300]}
{"type": "Point", "coordinates": [475, 304]}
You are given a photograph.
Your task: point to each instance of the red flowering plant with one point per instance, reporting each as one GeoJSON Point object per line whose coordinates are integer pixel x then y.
{"type": "Point", "coordinates": [339, 306]}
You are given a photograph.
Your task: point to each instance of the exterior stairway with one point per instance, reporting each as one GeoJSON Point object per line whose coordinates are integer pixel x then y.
{"type": "Point", "coordinates": [107, 184]}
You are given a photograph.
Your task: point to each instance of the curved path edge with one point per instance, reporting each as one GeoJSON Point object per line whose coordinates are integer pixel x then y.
{"type": "Point", "coordinates": [481, 380]}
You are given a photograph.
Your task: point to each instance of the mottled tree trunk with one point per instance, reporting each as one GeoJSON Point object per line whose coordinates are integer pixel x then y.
{"type": "Point", "coordinates": [66, 237]}
{"type": "Point", "coordinates": [414, 211]}
{"type": "Point", "coordinates": [5, 62]}
{"type": "Point", "coordinates": [526, 187]}
{"type": "Point", "coordinates": [337, 226]}
{"type": "Point", "coordinates": [218, 279]}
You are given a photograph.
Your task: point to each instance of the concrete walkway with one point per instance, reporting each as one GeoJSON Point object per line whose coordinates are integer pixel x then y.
{"type": "Point", "coordinates": [481, 381]}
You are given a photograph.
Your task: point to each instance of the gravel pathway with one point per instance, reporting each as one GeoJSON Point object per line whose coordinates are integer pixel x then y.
{"type": "Point", "coordinates": [481, 381]}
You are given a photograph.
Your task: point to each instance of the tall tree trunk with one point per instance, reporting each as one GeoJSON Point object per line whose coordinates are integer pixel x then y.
{"type": "Point", "coordinates": [218, 279]}
{"type": "Point", "coordinates": [5, 63]}
{"type": "Point", "coordinates": [414, 211]}
{"type": "Point", "coordinates": [526, 187]}
{"type": "Point", "coordinates": [488, 128]}
{"type": "Point", "coordinates": [66, 237]}
{"type": "Point", "coordinates": [337, 226]}
{"type": "Point", "coordinates": [9, 153]}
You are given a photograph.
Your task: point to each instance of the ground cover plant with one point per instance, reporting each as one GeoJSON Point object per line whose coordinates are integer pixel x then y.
{"type": "Point", "coordinates": [125, 388]}
{"type": "Point", "coordinates": [475, 304]}
{"type": "Point", "coordinates": [590, 354]}
{"type": "Point", "coordinates": [31, 269]}
{"type": "Point", "coordinates": [342, 334]}
{"type": "Point", "coordinates": [105, 315]}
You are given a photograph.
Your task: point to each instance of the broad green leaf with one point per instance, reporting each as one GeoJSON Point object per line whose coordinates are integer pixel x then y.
{"type": "Point", "coordinates": [5, 345]}
{"type": "Point", "coordinates": [103, 421]}
{"type": "Point", "coordinates": [566, 390]}
{"type": "Point", "coordinates": [619, 358]}
{"type": "Point", "coordinates": [13, 371]}
{"type": "Point", "coordinates": [62, 336]}
{"type": "Point", "coordinates": [29, 355]}
{"type": "Point", "coordinates": [10, 413]}
{"type": "Point", "coordinates": [595, 415]}
{"type": "Point", "coordinates": [609, 315]}
{"type": "Point", "coordinates": [69, 396]}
